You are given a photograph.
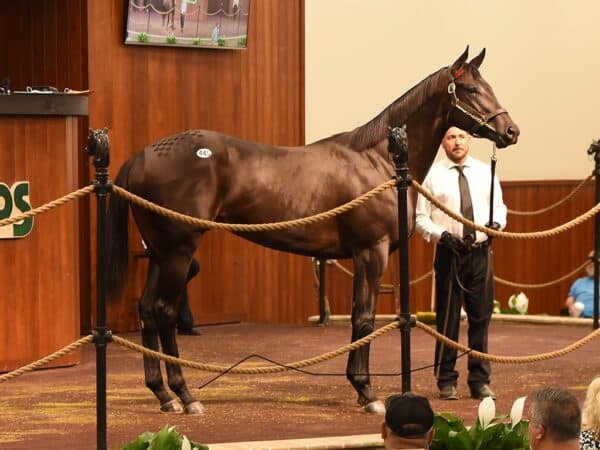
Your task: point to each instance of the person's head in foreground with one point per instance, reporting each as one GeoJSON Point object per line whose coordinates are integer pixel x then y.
{"type": "Point", "coordinates": [408, 422]}
{"type": "Point", "coordinates": [554, 420]}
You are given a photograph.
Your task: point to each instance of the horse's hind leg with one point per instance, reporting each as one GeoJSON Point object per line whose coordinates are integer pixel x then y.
{"type": "Point", "coordinates": [149, 326]}
{"type": "Point", "coordinates": [369, 266]}
{"type": "Point", "coordinates": [173, 276]}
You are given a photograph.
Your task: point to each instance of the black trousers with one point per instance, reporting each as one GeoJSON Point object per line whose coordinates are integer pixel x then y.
{"type": "Point", "coordinates": [185, 320]}
{"type": "Point", "coordinates": [453, 273]}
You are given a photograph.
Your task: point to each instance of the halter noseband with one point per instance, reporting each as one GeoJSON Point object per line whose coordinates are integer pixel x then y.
{"type": "Point", "coordinates": [480, 120]}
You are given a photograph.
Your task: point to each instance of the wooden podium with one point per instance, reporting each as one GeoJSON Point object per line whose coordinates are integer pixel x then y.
{"type": "Point", "coordinates": [39, 272]}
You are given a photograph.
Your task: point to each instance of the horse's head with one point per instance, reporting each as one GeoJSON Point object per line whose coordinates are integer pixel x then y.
{"type": "Point", "coordinates": [473, 105]}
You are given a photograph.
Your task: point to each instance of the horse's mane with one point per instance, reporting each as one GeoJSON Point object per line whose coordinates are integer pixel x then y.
{"type": "Point", "coordinates": [369, 134]}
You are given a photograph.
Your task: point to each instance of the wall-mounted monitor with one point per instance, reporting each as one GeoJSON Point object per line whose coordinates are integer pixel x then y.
{"type": "Point", "coordinates": [219, 24]}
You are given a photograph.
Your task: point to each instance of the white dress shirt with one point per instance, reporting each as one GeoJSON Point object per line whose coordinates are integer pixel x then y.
{"type": "Point", "coordinates": [442, 182]}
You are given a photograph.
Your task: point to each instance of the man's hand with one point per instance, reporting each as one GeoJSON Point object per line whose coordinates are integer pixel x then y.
{"type": "Point", "coordinates": [493, 225]}
{"type": "Point", "coordinates": [453, 243]}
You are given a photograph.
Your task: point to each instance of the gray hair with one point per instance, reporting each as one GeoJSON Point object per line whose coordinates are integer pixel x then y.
{"type": "Point", "coordinates": [558, 412]}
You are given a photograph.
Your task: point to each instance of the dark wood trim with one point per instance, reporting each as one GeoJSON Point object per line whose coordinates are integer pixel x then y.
{"type": "Point", "coordinates": [44, 104]}
{"type": "Point", "coordinates": [545, 183]}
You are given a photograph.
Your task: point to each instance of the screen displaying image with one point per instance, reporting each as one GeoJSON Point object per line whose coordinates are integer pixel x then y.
{"type": "Point", "coordinates": [220, 24]}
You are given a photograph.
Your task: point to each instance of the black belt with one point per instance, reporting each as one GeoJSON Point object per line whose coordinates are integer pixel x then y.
{"type": "Point", "coordinates": [469, 248]}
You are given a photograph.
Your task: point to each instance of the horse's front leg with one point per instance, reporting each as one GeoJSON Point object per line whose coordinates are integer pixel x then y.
{"type": "Point", "coordinates": [369, 266]}
{"type": "Point", "coordinates": [149, 327]}
{"type": "Point", "coordinates": [174, 274]}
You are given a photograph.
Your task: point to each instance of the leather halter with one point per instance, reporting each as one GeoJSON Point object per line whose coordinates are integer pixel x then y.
{"type": "Point", "coordinates": [479, 120]}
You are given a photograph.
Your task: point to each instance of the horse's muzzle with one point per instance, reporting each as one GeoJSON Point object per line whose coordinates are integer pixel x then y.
{"type": "Point", "coordinates": [510, 136]}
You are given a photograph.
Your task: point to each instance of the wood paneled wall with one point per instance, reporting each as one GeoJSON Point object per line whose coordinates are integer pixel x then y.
{"type": "Point", "coordinates": [44, 43]}
{"type": "Point", "coordinates": [39, 273]}
{"type": "Point", "coordinates": [521, 261]}
{"type": "Point", "coordinates": [144, 94]}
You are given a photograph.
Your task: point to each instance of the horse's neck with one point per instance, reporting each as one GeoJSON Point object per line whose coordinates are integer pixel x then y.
{"type": "Point", "coordinates": [426, 130]}
{"type": "Point", "coordinates": [425, 127]}
{"type": "Point", "coordinates": [423, 109]}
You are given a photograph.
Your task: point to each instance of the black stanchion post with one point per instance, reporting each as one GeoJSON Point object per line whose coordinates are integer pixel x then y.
{"type": "Point", "coordinates": [98, 148]}
{"type": "Point", "coordinates": [398, 146]}
{"type": "Point", "coordinates": [595, 150]}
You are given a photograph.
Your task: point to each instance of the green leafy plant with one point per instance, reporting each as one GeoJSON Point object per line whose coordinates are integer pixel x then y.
{"type": "Point", "coordinates": [242, 42]}
{"type": "Point", "coordinates": [171, 39]}
{"type": "Point", "coordinates": [143, 37]}
{"type": "Point", "coordinates": [221, 42]}
{"type": "Point", "coordinates": [490, 432]}
{"type": "Point", "coordinates": [196, 41]}
{"type": "Point", "coordinates": [166, 439]}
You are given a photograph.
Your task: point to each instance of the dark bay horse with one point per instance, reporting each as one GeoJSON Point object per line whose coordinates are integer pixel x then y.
{"type": "Point", "coordinates": [219, 177]}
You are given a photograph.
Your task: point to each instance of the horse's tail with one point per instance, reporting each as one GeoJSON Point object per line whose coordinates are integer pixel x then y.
{"type": "Point", "coordinates": [117, 230]}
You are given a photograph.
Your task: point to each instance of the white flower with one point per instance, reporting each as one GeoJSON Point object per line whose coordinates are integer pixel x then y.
{"type": "Point", "coordinates": [516, 412]}
{"type": "Point", "coordinates": [519, 302]}
{"type": "Point", "coordinates": [185, 445]}
{"type": "Point", "coordinates": [487, 412]}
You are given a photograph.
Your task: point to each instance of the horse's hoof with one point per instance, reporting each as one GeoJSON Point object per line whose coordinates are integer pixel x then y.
{"type": "Point", "coordinates": [172, 406]}
{"type": "Point", "coordinates": [195, 408]}
{"type": "Point", "coordinates": [375, 407]}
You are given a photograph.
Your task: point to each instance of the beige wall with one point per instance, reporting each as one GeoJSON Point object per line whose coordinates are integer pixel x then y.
{"type": "Point", "coordinates": [542, 60]}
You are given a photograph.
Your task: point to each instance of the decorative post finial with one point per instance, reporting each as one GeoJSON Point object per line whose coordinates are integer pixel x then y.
{"type": "Point", "coordinates": [398, 144]}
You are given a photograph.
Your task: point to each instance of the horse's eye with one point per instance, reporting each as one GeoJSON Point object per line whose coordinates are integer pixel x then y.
{"type": "Point", "coordinates": [472, 90]}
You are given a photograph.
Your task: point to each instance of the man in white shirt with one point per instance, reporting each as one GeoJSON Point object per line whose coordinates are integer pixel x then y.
{"type": "Point", "coordinates": [464, 260]}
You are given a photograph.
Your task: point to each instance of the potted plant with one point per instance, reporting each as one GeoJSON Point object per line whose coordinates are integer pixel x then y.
{"type": "Point", "coordinates": [490, 432]}
{"type": "Point", "coordinates": [166, 439]}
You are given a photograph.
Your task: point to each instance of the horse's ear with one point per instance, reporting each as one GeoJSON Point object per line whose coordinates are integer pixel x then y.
{"type": "Point", "coordinates": [476, 62]}
{"type": "Point", "coordinates": [460, 61]}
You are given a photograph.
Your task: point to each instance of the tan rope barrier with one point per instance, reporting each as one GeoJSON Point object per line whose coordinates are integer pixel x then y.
{"type": "Point", "coordinates": [354, 345]}
{"type": "Point", "coordinates": [540, 285]}
{"type": "Point", "coordinates": [554, 205]}
{"type": "Point", "coordinates": [504, 234]}
{"type": "Point", "coordinates": [496, 278]}
{"type": "Point", "coordinates": [388, 286]}
{"type": "Point", "coordinates": [298, 222]}
{"type": "Point", "coordinates": [261, 369]}
{"type": "Point", "coordinates": [306, 362]}
{"type": "Point", "coordinates": [41, 362]}
{"type": "Point", "coordinates": [48, 206]}
{"type": "Point", "coordinates": [507, 359]}
{"type": "Point", "coordinates": [253, 227]}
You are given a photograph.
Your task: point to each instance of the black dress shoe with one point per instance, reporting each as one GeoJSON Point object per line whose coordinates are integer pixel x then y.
{"type": "Point", "coordinates": [448, 392]}
{"type": "Point", "coordinates": [193, 332]}
{"type": "Point", "coordinates": [481, 392]}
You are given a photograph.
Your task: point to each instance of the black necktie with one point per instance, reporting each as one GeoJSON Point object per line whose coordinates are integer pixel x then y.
{"type": "Point", "coordinates": [466, 206]}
